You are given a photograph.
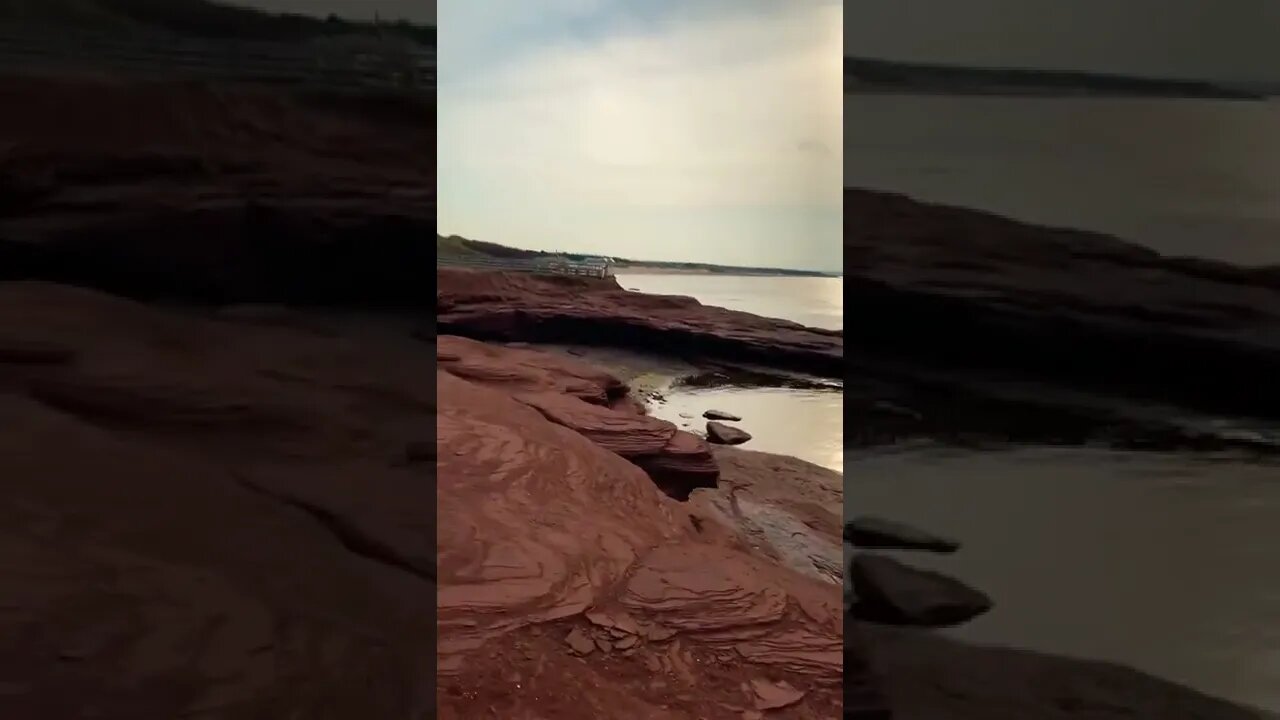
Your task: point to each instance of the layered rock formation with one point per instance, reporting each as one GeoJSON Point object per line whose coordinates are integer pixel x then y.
{"type": "Point", "coordinates": [216, 193]}
{"type": "Point", "coordinates": [210, 513]}
{"type": "Point", "coordinates": [591, 403]}
{"type": "Point", "coordinates": [970, 307]}
{"type": "Point", "coordinates": [570, 586]}
{"type": "Point", "coordinates": [209, 519]}
{"type": "Point", "coordinates": [518, 306]}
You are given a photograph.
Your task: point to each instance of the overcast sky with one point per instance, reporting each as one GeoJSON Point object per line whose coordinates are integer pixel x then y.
{"type": "Point", "coordinates": [1211, 39]}
{"type": "Point", "coordinates": [684, 130]}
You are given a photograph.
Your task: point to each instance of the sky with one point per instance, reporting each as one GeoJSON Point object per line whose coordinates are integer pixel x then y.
{"type": "Point", "coordinates": [1224, 40]}
{"type": "Point", "coordinates": [678, 130]}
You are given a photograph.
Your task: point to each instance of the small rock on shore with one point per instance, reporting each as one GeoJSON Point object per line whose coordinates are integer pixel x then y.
{"type": "Point", "coordinates": [726, 435]}
{"type": "Point", "coordinates": [892, 593]}
{"type": "Point", "coordinates": [881, 534]}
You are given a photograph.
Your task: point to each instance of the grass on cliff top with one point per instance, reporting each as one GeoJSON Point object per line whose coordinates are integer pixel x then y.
{"type": "Point", "coordinates": [454, 247]}
{"type": "Point", "coordinates": [204, 19]}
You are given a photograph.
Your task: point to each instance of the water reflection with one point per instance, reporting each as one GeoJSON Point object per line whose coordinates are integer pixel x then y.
{"type": "Point", "coordinates": [804, 424]}
{"type": "Point", "coordinates": [1164, 563]}
{"type": "Point", "coordinates": [813, 301]}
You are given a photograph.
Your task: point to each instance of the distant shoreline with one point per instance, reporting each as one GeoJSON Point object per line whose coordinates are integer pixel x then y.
{"type": "Point", "coordinates": [870, 75]}
{"type": "Point", "coordinates": [1043, 93]}
{"type": "Point", "coordinates": [727, 271]}
{"type": "Point", "coordinates": [457, 249]}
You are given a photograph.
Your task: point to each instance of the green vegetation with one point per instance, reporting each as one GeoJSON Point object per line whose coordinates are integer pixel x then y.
{"type": "Point", "coordinates": [205, 19]}
{"type": "Point", "coordinates": [454, 247]}
{"type": "Point", "coordinates": [457, 247]}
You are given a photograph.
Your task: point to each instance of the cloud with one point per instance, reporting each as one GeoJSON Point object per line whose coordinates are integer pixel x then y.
{"type": "Point", "coordinates": [610, 137]}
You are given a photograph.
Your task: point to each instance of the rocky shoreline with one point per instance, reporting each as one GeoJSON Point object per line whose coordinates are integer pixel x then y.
{"type": "Point", "coordinates": [222, 452]}
{"type": "Point", "coordinates": [989, 330]}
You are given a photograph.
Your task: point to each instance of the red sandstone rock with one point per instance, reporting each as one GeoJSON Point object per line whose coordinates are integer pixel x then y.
{"type": "Point", "coordinates": [215, 192]}
{"type": "Point", "coordinates": [206, 515]}
{"type": "Point", "coordinates": [242, 483]}
{"type": "Point", "coordinates": [772, 696]}
{"type": "Point", "coordinates": [585, 399]}
{"type": "Point", "coordinates": [542, 524]}
{"type": "Point", "coordinates": [519, 306]}
{"type": "Point", "coordinates": [520, 370]}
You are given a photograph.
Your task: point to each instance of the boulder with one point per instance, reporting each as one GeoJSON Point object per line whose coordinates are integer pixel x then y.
{"type": "Point", "coordinates": [892, 593]}
{"type": "Point", "coordinates": [720, 415]}
{"type": "Point", "coordinates": [879, 533]}
{"type": "Point", "coordinates": [726, 435]}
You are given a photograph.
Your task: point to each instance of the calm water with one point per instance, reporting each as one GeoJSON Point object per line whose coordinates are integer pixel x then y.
{"type": "Point", "coordinates": [1186, 177]}
{"type": "Point", "coordinates": [805, 424]}
{"type": "Point", "coordinates": [1163, 563]}
{"type": "Point", "coordinates": [812, 301]}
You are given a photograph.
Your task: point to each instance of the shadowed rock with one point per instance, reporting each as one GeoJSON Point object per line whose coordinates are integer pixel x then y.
{"type": "Point", "coordinates": [878, 533]}
{"type": "Point", "coordinates": [927, 676]}
{"type": "Point", "coordinates": [892, 593]}
{"type": "Point", "coordinates": [720, 415]}
{"type": "Point", "coordinates": [726, 434]}
{"type": "Point", "coordinates": [237, 194]}
{"type": "Point", "coordinates": [965, 294]}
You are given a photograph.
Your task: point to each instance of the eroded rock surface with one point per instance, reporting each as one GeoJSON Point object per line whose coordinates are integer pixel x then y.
{"type": "Point", "coordinates": [202, 518]}
{"type": "Point", "coordinates": [962, 296]}
{"type": "Point", "coordinates": [518, 306]}
{"type": "Point", "coordinates": [587, 400]}
{"type": "Point", "coordinates": [784, 507]}
{"type": "Point", "coordinates": [184, 190]}
{"type": "Point", "coordinates": [207, 516]}
{"type": "Point", "coordinates": [544, 524]}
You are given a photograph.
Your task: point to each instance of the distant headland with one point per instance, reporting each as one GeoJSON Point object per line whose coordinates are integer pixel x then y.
{"type": "Point", "coordinates": [865, 75]}
{"type": "Point", "coordinates": [454, 249]}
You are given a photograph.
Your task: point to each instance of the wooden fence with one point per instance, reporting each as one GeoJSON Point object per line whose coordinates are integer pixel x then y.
{"type": "Point", "coordinates": [351, 63]}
